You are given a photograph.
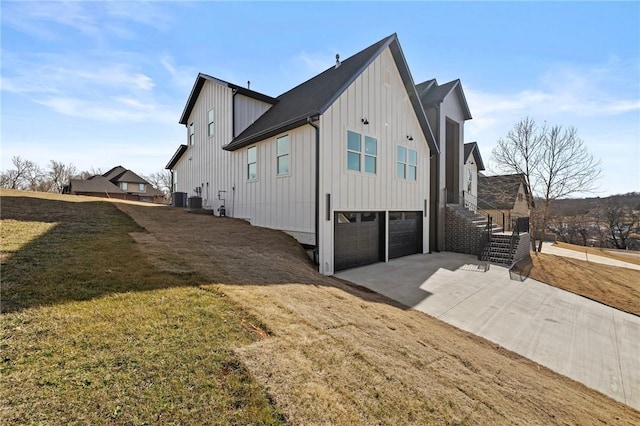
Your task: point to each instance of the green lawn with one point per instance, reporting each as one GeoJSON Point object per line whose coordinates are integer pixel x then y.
{"type": "Point", "coordinates": [93, 333]}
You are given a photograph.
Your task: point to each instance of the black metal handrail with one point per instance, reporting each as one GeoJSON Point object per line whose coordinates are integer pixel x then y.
{"type": "Point", "coordinates": [520, 225]}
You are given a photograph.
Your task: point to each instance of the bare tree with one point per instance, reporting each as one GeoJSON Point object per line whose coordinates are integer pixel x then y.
{"type": "Point", "coordinates": [86, 174]}
{"type": "Point", "coordinates": [60, 174]}
{"type": "Point", "coordinates": [24, 175]}
{"type": "Point", "coordinates": [621, 222]}
{"type": "Point", "coordinates": [554, 161]}
{"type": "Point", "coordinates": [160, 180]}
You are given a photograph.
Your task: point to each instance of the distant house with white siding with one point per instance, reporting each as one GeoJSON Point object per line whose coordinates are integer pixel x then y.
{"type": "Point", "coordinates": [353, 163]}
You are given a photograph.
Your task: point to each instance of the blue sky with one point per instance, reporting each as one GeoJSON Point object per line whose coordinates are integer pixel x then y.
{"type": "Point", "coordinates": [100, 84]}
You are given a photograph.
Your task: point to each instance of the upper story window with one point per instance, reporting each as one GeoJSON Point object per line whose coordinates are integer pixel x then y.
{"type": "Point", "coordinates": [210, 125]}
{"type": "Point", "coordinates": [282, 155]}
{"type": "Point", "coordinates": [141, 187]}
{"type": "Point", "coordinates": [407, 165]}
{"type": "Point", "coordinates": [359, 159]}
{"type": "Point", "coordinates": [192, 134]}
{"type": "Point", "coordinates": [124, 186]}
{"type": "Point", "coordinates": [252, 163]}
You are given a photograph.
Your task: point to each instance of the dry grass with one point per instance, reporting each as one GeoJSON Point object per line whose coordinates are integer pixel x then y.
{"type": "Point", "coordinates": [622, 255]}
{"type": "Point", "coordinates": [337, 354]}
{"type": "Point", "coordinates": [93, 333]}
{"type": "Point", "coordinates": [613, 286]}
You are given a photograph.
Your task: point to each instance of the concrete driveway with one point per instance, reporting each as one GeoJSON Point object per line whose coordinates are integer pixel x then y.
{"type": "Point", "coordinates": [589, 342]}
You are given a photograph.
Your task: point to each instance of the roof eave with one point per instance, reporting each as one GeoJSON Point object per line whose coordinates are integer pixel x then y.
{"type": "Point", "coordinates": [270, 132]}
{"type": "Point", "coordinates": [176, 156]}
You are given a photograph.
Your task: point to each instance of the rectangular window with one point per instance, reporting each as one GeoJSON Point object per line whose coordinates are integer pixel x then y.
{"type": "Point", "coordinates": [357, 160]}
{"type": "Point", "coordinates": [210, 126]}
{"type": "Point", "coordinates": [124, 186]}
{"type": "Point", "coordinates": [141, 187]}
{"type": "Point", "coordinates": [407, 165]}
{"type": "Point", "coordinates": [354, 147]}
{"type": "Point", "coordinates": [282, 155]}
{"type": "Point", "coordinates": [192, 134]}
{"type": "Point", "coordinates": [252, 163]}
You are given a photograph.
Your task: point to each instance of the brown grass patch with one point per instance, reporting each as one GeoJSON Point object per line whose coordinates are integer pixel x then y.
{"type": "Point", "coordinates": [339, 355]}
{"type": "Point", "coordinates": [622, 255]}
{"type": "Point", "coordinates": [613, 286]}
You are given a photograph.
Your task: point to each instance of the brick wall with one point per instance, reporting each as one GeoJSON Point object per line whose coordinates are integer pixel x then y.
{"type": "Point", "coordinates": [460, 235]}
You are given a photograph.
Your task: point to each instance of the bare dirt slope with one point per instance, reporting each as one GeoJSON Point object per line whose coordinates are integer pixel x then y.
{"type": "Point", "coordinates": [336, 354]}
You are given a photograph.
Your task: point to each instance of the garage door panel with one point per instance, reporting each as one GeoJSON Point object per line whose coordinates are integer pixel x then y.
{"type": "Point", "coordinates": [357, 239]}
{"type": "Point", "coordinates": [405, 233]}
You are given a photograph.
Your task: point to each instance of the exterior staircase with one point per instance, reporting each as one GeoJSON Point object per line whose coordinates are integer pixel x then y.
{"type": "Point", "coordinates": [467, 233]}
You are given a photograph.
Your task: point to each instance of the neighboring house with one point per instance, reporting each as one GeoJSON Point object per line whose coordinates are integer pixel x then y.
{"type": "Point", "coordinates": [504, 197]}
{"type": "Point", "coordinates": [473, 164]}
{"type": "Point", "coordinates": [347, 162]}
{"type": "Point", "coordinates": [118, 183]}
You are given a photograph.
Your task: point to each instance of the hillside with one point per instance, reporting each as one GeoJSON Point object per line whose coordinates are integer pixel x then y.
{"type": "Point", "coordinates": [216, 292]}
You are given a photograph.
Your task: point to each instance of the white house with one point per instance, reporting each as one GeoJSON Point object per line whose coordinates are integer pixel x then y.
{"type": "Point", "coordinates": [343, 162]}
{"type": "Point", "coordinates": [473, 164]}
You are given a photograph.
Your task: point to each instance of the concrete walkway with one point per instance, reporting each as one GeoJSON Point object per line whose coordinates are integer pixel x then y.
{"type": "Point", "coordinates": [549, 248]}
{"type": "Point", "coordinates": [574, 336]}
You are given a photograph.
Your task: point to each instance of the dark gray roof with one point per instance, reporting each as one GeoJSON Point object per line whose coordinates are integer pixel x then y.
{"type": "Point", "coordinates": [472, 148]}
{"type": "Point", "coordinates": [433, 94]}
{"type": "Point", "coordinates": [499, 192]}
{"type": "Point", "coordinates": [176, 156]}
{"type": "Point", "coordinates": [120, 174]}
{"type": "Point", "coordinates": [197, 87]}
{"type": "Point", "coordinates": [313, 97]}
{"type": "Point", "coordinates": [96, 184]}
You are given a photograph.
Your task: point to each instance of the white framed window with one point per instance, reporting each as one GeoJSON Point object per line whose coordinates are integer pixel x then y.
{"type": "Point", "coordinates": [124, 186]}
{"type": "Point", "coordinates": [407, 164]}
{"type": "Point", "coordinates": [359, 159]}
{"type": "Point", "coordinates": [282, 155]}
{"type": "Point", "coordinates": [141, 187]}
{"type": "Point", "coordinates": [252, 163]}
{"type": "Point", "coordinates": [192, 134]}
{"type": "Point", "coordinates": [210, 125]}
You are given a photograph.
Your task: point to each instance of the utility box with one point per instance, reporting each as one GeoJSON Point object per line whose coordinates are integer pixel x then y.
{"type": "Point", "coordinates": [195, 203]}
{"type": "Point", "coordinates": [179, 199]}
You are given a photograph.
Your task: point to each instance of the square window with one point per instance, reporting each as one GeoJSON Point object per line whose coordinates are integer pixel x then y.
{"type": "Point", "coordinates": [407, 165]}
{"type": "Point", "coordinates": [353, 141]}
{"type": "Point", "coordinates": [141, 187]}
{"type": "Point", "coordinates": [124, 186]}
{"type": "Point", "coordinates": [353, 161]}
{"type": "Point", "coordinates": [369, 164]}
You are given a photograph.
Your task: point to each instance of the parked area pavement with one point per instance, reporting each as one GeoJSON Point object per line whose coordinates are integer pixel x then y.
{"type": "Point", "coordinates": [549, 248]}
{"type": "Point", "coordinates": [587, 341]}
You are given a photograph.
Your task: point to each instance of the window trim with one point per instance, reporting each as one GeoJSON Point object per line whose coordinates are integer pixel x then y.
{"type": "Point", "coordinates": [362, 153]}
{"type": "Point", "coordinates": [124, 186]}
{"type": "Point", "coordinates": [255, 162]}
{"type": "Point", "coordinates": [288, 155]}
{"type": "Point", "coordinates": [211, 122]}
{"type": "Point", "coordinates": [141, 187]}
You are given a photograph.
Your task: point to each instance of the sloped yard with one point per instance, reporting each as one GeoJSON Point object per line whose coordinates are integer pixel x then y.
{"type": "Point", "coordinates": [342, 355]}
{"type": "Point", "coordinates": [208, 319]}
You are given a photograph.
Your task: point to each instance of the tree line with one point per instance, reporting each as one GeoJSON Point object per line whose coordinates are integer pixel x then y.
{"type": "Point", "coordinates": [26, 175]}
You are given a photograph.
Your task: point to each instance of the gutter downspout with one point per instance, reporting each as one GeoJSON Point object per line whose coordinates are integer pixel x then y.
{"type": "Point", "coordinates": [438, 191]}
{"type": "Point", "coordinates": [316, 250]}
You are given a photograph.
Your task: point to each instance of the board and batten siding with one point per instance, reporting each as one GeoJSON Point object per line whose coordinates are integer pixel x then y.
{"type": "Point", "coordinates": [247, 110]}
{"type": "Point", "coordinates": [284, 202]}
{"type": "Point", "coordinates": [391, 119]}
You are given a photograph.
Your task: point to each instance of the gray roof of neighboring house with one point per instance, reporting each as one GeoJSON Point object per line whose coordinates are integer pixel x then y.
{"type": "Point", "coordinates": [313, 97]}
{"type": "Point", "coordinates": [499, 192]}
{"type": "Point", "coordinates": [114, 172]}
{"type": "Point", "coordinates": [120, 174]}
{"type": "Point", "coordinates": [472, 148]}
{"type": "Point", "coordinates": [432, 94]}
{"type": "Point", "coordinates": [96, 184]}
